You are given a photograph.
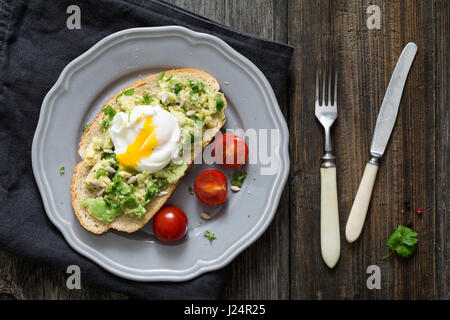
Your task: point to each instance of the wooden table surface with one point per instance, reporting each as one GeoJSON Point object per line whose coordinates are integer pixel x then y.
{"type": "Point", "coordinates": [285, 263]}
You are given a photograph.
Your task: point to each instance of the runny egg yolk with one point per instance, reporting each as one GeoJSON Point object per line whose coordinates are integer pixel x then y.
{"type": "Point", "coordinates": [141, 147]}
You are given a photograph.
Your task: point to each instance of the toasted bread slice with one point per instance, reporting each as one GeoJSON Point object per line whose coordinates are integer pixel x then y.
{"type": "Point", "coordinates": [80, 191]}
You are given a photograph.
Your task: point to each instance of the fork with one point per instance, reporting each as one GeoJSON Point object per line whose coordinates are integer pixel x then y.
{"type": "Point", "coordinates": [326, 113]}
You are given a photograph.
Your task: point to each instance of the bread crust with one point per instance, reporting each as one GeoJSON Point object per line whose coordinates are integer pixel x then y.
{"type": "Point", "coordinates": [79, 190]}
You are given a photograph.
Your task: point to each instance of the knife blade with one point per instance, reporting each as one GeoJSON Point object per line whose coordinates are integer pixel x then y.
{"type": "Point", "coordinates": [383, 129]}
{"type": "Point", "coordinates": [391, 101]}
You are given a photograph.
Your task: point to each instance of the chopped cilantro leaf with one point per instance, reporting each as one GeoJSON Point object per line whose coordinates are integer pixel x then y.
{"type": "Point", "coordinates": [129, 92]}
{"type": "Point", "coordinates": [220, 103]}
{"type": "Point", "coordinates": [209, 235]}
{"type": "Point", "coordinates": [62, 170]}
{"type": "Point", "coordinates": [161, 75]}
{"type": "Point", "coordinates": [196, 86]}
{"type": "Point", "coordinates": [85, 126]}
{"type": "Point", "coordinates": [147, 98]}
{"type": "Point", "coordinates": [190, 190]}
{"type": "Point", "coordinates": [105, 124]}
{"type": "Point", "coordinates": [238, 178]}
{"type": "Point", "coordinates": [402, 241]}
{"type": "Point", "coordinates": [101, 172]}
{"type": "Point", "coordinates": [177, 88]}
{"type": "Point", "coordinates": [109, 111]}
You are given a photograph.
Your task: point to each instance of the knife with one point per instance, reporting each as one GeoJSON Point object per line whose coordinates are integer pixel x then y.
{"type": "Point", "coordinates": [383, 129]}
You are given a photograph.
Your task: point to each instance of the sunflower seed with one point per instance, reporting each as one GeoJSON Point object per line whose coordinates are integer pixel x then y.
{"type": "Point", "coordinates": [164, 97]}
{"type": "Point", "coordinates": [108, 151]}
{"type": "Point", "coordinates": [95, 184]}
{"type": "Point", "coordinates": [110, 169]}
{"type": "Point", "coordinates": [100, 192]}
{"type": "Point", "coordinates": [132, 180]}
{"type": "Point", "coordinates": [182, 102]}
{"type": "Point", "coordinates": [190, 113]}
{"type": "Point", "coordinates": [235, 188]}
{"type": "Point", "coordinates": [205, 216]}
{"type": "Point", "coordinates": [163, 193]}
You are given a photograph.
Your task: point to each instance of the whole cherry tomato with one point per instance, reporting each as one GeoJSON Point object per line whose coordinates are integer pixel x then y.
{"type": "Point", "coordinates": [210, 187]}
{"type": "Point", "coordinates": [230, 150]}
{"type": "Point", "coordinates": [170, 224]}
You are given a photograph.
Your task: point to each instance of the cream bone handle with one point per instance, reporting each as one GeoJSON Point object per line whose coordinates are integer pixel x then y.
{"type": "Point", "coordinates": [330, 242]}
{"type": "Point", "coordinates": [355, 222]}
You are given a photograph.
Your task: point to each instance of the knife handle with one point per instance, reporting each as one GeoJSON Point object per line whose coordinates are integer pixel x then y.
{"type": "Point", "coordinates": [358, 213]}
{"type": "Point", "coordinates": [330, 241]}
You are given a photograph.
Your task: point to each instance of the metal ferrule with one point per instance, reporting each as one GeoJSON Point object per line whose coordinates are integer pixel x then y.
{"type": "Point", "coordinates": [328, 158]}
{"type": "Point", "coordinates": [375, 160]}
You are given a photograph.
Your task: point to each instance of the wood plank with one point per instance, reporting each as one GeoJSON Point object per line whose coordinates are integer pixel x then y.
{"type": "Point", "coordinates": [366, 59]}
{"type": "Point", "coordinates": [442, 96]}
{"type": "Point", "coordinates": [256, 274]}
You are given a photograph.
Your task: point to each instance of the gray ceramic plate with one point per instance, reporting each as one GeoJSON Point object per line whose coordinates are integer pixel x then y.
{"type": "Point", "coordinates": [116, 62]}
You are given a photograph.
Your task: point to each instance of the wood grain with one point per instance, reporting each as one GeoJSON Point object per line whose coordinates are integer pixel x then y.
{"type": "Point", "coordinates": [285, 263]}
{"type": "Point", "coordinates": [366, 58]}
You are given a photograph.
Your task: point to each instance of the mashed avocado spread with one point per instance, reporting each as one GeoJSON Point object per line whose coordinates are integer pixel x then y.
{"type": "Point", "coordinates": [122, 190]}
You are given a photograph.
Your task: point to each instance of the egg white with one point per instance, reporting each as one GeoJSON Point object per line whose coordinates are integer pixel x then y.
{"type": "Point", "coordinates": [126, 127]}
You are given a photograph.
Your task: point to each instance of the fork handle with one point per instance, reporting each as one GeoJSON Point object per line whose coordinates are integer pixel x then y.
{"type": "Point", "coordinates": [358, 213]}
{"type": "Point", "coordinates": [330, 242]}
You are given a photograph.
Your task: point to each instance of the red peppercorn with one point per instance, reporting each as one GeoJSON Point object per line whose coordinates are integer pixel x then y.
{"type": "Point", "coordinates": [419, 210]}
{"type": "Point", "coordinates": [403, 211]}
{"type": "Point", "coordinates": [427, 275]}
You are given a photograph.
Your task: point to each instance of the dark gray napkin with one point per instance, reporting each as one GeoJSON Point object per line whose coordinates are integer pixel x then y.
{"type": "Point", "coordinates": [35, 45]}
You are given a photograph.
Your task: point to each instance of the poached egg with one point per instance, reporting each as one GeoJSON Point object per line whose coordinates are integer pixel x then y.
{"type": "Point", "coordinates": [146, 138]}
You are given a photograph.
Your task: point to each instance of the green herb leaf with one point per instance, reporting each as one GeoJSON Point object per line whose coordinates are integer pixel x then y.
{"type": "Point", "coordinates": [101, 172]}
{"type": "Point", "coordinates": [196, 86]}
{"type": "Point", "coordinates": [109, 111]}
{"type": "Point", "coordinates": [111, 156]}
{"type": "Point", "coordinates": [129, 92]}
{"type": "Point", "coordinates": [105, 124]}
{"type": "Point", "coordinates": [147, 98]}
{"type": "Point", "coordinates": [238, 178]}
{"type": "Point", "coordinates": [62, 170]}
{"type": "Point", "coordinates": [193, 95]}
{"type": "Point", "coordinates": [209, 235]}
{"type": "Point", "coordinates": [154, 189]}
{"type": "Point", "coordinates": [402, 241]}
{"type": "Point", "coordinates": [190, 190]}
{"type": "Point", "coordinates": [220, 103]}
{"type": "Point", "coordinates": [161, 75]}
{"type": "Point", "coordinates": [177, 88]}
{"type": "Point", "coordinates": [169, 78]}
{"type": "Point", "coordinates": [85, 126]}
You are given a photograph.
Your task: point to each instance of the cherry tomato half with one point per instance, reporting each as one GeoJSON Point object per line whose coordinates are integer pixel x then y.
{"type": "Point", "coordinates": [230, 150]}
{"type": "Point", "coordinates": [170, 224]}
{"type": "Point", "coordinates": [210, 187]}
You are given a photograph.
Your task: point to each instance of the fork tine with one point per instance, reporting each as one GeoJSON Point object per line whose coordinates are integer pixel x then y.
{"type": "Point", "coordinates": [329, 88]}
{"type": "Point", "coordinates": [335, 88]}
{"type": "Point", "coordinates": [317, 87]}
{"type": "Point", "coordinates": [324, 86]}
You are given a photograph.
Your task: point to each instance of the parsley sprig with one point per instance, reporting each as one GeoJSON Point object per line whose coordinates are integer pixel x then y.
{"type": "Point", "coordinates": [209, 235]}
{"type": "Point", "coordinates": [238, 178]}
{"type": "Point", "coordinates": [402, 241]}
